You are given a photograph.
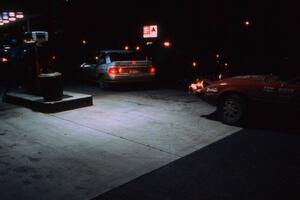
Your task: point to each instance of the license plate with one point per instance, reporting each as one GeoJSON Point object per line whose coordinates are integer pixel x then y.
{"type": "Point", "coordinates": [134, 71]}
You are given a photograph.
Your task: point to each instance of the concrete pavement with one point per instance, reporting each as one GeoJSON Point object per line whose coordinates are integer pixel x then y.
{"type": "Point", "coordinates": [82, 153]}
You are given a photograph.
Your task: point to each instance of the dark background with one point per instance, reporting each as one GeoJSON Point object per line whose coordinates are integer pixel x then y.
{"type": "Point", "coordinates": [198, 30]}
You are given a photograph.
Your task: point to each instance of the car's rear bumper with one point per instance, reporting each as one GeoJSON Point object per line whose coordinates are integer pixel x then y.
{"type": "Point", "coordinates": [129, 79]}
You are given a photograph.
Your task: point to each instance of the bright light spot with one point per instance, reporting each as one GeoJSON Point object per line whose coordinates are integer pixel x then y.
{"type": "Point", "coordinates": [149, 43]}
{"type": "Point", "coordinates": [1, 23]}
{"type": "Point", "coordinates": [19, 15]}
{"type": "Point", "coordinates": [226, 65]}
{"type": "Point", "coordinates": [138, 48]}
{"type": "Point", "coordinates": [4, 60]}
{"type": "Point", "coordinates": [152, 70]}
{"type": "Point", "coordinates": [217, 55]}
{"type": "Point", "coordinates": [220, 76]}
{"type": "Point", "coordinates": [5, 50]}
{"type": "Point", "coordinates": [83, 42]}
{"type": "Point", "coordinates": [126, 48]}
{"type": "Point", "coordinates": [247, 23]}
{"type": "Point", "coordinates": [53, 57]}
{"type": "Point", "coordinates": [194, 64]}
{"type": "Point", "coordinates": [97, 58]}
{"type": "Point", "coordinates": [5, 21]}
{"type": "Point", "coordinates": [167, 44]}
{"type": "Point", "coordinates": [11, 14]}
{"type": "Point", "coordinates": [12, 19]}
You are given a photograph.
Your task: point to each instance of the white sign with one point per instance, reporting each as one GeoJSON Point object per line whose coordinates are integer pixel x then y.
{"type": "Point", "coordinates": [150, 31]}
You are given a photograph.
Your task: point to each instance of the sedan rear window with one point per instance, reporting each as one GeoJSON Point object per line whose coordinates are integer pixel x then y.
{"type": "Point", "coordinates": [127, 56]}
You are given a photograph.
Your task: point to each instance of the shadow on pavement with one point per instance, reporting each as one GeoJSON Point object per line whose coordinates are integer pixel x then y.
{"type": "Point", "coordinates": [269, 119]}
{"type": "Point", "coordinates": [246, 165]}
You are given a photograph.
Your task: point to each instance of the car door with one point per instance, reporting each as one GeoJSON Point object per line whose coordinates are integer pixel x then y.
{"type": "Point", "coordinates": [88, 67]}
{"type": "Point", "coordinates": [267, 91]}
{"type": "Point", "coordinates": [289, 92]}
{"type": "Point", "coordinates": [100, 70]}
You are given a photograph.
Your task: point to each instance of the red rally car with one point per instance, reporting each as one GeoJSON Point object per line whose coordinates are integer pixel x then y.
{"type": "Point", "coordinates": [233, 95]}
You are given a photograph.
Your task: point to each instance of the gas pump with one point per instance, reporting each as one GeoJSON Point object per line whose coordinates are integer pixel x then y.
{"type": "Point", "coordinates": [34, 44]}
{"type": "Point", "coordinates": [42, 80]}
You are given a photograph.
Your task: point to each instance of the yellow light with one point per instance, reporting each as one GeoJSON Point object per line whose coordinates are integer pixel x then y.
{"type": "Point", "coordinates": [138, 48]}
{"type": "Point", "coordinates": [126, 48]}
{"type": "Point", "coordinates": [194, 64]}
{"type": "Point", "coordinates": [167, 44]}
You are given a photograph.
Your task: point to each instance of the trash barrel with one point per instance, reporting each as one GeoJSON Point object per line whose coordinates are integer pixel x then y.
{"type": "Point", "coordinates": [51, 86]}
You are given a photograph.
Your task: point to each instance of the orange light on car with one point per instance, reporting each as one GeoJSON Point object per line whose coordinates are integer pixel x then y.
{"type": "Point", "coordinates": [152, 70]}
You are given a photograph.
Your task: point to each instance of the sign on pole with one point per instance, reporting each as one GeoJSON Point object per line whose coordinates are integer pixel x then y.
{"type": "Point", "coordinates": [150, 31]}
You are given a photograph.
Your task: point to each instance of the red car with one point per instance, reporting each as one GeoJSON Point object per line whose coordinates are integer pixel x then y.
{"type": "Point", "coordinates": [233, 95]}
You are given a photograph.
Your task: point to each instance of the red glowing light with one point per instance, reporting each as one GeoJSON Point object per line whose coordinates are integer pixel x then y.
{"type": "Point", "coordinates": [152, 70]}
{"type": "Point", "coordinates": [113, 71]}
{"type": "Point", "coordinates": [133, 62]}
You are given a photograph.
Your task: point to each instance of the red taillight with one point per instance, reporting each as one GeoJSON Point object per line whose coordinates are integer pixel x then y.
{"type": "Point", "coordinates": [152, 70]}
{"type": "Point", "coordinates": [133, 62]}
{"type": "Point", "coordinates": [113, 71]}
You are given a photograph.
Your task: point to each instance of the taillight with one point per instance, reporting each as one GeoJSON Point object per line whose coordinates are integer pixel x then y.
{"type": "Point", "coordinates": [152, 70]}
{"type": "Point", "coordinates": [113, 71]}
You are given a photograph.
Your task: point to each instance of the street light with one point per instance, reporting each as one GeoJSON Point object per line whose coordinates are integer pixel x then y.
{"type": "Point", "coordinates": [126, 48]}
{"type": "Point", "coordinates": [247, 23]}
{"type": "Point", "coordinates": [194, 64]}
{"type": "Point", "coordinates": [167, 44]}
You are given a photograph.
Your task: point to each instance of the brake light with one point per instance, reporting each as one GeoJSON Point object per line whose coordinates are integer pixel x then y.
{"type": "Point", "coordinates": [152, 70]}
{"type": "Point", "coordinates": [113, 71]}
{"type": "Point", "coordinates": [133, 62]}
{"type": "Point", "coordinates": [4, 60]}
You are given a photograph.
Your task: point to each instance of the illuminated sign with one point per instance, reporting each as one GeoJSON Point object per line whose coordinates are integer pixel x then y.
{"type": "Point", "coordinates": [150, 31]}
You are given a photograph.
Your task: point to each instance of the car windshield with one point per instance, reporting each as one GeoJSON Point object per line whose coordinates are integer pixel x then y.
{"type": "Point", "coordinates": [127, 56]}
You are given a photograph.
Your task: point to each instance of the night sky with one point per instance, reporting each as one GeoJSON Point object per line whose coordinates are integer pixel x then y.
{"type": "Point", "coordinates": [196, 28]}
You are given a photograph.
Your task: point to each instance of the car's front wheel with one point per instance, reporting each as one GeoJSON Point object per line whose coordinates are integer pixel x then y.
{"type": "Point", "coordinates": [231, 109]}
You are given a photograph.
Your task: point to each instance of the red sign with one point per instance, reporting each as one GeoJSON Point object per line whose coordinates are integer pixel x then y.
{"type": "Point", "coordinates": [150, 31]}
